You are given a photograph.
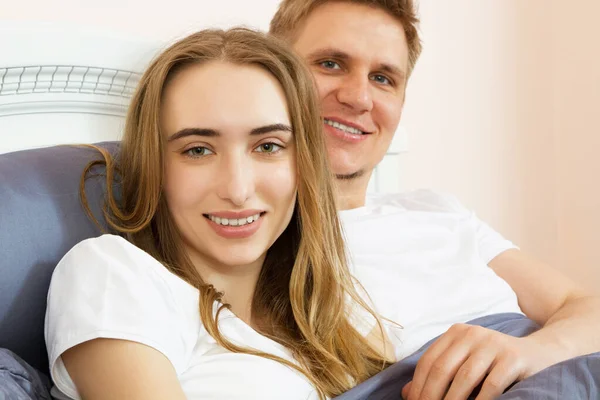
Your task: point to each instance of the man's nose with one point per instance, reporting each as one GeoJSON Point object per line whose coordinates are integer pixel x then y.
{"type": "Point", "coordinates": [356, 93]}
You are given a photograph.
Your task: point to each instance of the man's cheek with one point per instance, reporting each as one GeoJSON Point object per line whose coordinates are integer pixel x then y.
{"type": "Point", "coordinates": [325, 85]}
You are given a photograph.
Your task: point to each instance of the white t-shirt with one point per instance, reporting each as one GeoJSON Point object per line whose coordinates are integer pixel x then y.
{"type": "Point", "coordinates": [107, 288]}
{"type": "Point", "coordinates": [422, 258]}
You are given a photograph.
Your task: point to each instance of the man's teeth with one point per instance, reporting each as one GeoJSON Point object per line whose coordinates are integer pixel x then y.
{"type": "Point", "coordinates": [344, 128]}
{"type": "Point", "coordinates": [234, 221]}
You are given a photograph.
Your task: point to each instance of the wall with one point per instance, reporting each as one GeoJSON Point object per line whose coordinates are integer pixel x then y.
{"type": "Point", "coordinates": [501, 110]}
{"type": "Point", "coordinates": [576, 98]}
{"type": "Point", "coordinates": [167, 20]}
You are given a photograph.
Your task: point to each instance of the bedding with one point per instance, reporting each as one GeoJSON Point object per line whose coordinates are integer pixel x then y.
{"type": "Point", "coordinates": [41, 218]}
{"type": "Point", "coordinates": [18, 380]}
{"type": "Point", "coordinates": [574, 379]}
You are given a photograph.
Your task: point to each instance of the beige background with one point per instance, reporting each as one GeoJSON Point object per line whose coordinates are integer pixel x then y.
{"type": "Point", "coordinates": [502, 111]}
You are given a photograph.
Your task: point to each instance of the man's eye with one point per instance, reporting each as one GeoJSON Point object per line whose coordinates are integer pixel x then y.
{"type": "Point", "coordinates": [381, 79]}
{"type": "Point", "coordinates": [198, 151]}
{"type": "Point", "coordinates": [330, 65]}
{"type": "Point", "coordinates": [268, 148]}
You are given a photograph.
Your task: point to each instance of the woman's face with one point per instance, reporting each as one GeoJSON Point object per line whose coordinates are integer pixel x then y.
{"type": "Point", "coordinates": [230, 164]}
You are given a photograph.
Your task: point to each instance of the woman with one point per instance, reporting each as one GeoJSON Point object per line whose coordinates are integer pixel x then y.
{"type": "Point", "coordinates": [227, 277]}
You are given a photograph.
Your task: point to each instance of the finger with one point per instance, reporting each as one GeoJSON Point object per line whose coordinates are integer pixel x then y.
{"type": "Point", "coordinates": [501, 376]}
{"type": "Point", "coordinates": [443, 369]}
{"type": "Point", "coordinates": [470, 374]}
{"type": "Point", "coordinates": [406, 390]}
{"type": "Point", "coordinates": [426, 361]}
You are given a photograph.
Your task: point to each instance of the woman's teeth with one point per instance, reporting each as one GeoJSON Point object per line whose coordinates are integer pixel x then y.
{"type": "Point", "coordinates": [344, 128]}
{"type": "Point", "coordinates": [234, 221]}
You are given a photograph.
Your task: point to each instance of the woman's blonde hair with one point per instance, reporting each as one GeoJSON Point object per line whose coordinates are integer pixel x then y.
{"type": "Point", "coordinates": [304, 290]}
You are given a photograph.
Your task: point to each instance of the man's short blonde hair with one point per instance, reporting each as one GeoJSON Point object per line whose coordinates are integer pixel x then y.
{"type": "Point", "coordinates": [292, 13]}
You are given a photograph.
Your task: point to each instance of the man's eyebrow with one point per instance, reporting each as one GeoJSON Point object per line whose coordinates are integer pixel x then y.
{"type": "Point", "coordinates": [337, 54]}
{"type": "Point", "coordinates": [262, 130]}
{"type": "Point", "coordinates": [329, 52]}
{"type": "Point", "coordinates": [393, 70]}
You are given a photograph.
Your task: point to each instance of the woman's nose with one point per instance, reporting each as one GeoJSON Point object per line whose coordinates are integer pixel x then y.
{"type": "Point", "coordinates": [236, 180]}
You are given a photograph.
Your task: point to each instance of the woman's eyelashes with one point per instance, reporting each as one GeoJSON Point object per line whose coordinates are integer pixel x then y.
{"type": "Point", "coordinates": [267, 148]}
{"type": "Point", "coordinates": [197, 152]}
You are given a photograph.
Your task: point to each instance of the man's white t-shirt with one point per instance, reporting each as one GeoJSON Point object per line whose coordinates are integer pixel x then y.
{"type": "Point", "coordinates": [422, 258]}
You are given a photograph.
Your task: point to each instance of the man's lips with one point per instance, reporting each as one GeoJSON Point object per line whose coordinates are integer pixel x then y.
{"type": "Point", "coordinates": [349, 134]}
{"type": "Point", "coordinates": [347, 126]}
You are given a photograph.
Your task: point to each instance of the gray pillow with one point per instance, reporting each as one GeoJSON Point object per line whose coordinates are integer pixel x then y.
{"type": "Point", "coordinates": [41, 218]}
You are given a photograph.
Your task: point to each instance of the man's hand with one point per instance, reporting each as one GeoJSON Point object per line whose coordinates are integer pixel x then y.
{"type": "Point", "coordinates": [467, 355]}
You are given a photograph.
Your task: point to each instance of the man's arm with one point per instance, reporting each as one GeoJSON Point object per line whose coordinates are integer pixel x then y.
{"type": "Point", "coordinates": [120, 369]}
{"type": "Point", "coordinates": [467, 355]}
{"type": "Point", "coordinates": [570, 317]}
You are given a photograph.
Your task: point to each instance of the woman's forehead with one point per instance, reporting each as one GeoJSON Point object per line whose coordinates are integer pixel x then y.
{"type": "Point", "coordinates": [224, 96]}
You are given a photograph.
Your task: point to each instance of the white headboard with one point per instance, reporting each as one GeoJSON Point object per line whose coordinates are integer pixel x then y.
{"type": "Point", "coordinates": [67, 84]}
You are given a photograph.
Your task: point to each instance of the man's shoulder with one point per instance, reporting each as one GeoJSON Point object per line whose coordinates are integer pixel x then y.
{"type": "Point", "coordinates": [425, 200]}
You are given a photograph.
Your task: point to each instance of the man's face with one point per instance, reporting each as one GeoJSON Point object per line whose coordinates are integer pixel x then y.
{"type": "Point", "coordinates": [359, 58]}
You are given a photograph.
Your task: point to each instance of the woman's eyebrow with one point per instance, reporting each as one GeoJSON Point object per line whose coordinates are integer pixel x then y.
{"type": "Point", "coordinates": [271, 128]}
{"type": "Point", "coordinates": [193, 132]}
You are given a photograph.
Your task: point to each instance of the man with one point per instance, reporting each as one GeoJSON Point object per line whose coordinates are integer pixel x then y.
{"type": "Point", "coordinates": [421, 256]}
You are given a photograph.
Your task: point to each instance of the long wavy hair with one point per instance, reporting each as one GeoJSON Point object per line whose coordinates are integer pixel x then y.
{"type": "Point", "coordinates": [305, 291]}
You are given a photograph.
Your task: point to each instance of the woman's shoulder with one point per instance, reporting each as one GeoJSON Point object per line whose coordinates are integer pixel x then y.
{"type": "Point", "coordinates": [114, 257]}
{"type": "Point", "coordinates": [106, 287]}
{"type": "Point", "coordinates": [107, 248]}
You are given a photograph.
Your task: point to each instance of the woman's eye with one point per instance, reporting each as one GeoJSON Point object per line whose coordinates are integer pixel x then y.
{"type": "Point", "coordinates": [268, 148]}
{"type": "Point", "coordinates": [330, 65]}
{"type": "Point", "coordinates": [198, 151]}
{"type": "Point", "coordinates": [381, 79]}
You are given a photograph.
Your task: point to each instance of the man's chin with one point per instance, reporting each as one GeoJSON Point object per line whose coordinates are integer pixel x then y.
{"type": "Point", "coordinates": [345, 163]}
{"type": "Point", "coordinates": [344, 168]}
{"type": "Point", "coordinates": [349, 176]}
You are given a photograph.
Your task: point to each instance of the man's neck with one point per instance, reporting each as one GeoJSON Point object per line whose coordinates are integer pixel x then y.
{"type": "Point", "coordinates": [351, 193]}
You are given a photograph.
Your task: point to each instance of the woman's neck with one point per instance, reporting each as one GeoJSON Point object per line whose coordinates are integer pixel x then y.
{"type": "Point", "coordinates": [238, 283]}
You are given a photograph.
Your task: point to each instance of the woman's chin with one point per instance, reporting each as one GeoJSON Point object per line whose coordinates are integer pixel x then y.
{"type": "Point", "coordinates": [237, 259]}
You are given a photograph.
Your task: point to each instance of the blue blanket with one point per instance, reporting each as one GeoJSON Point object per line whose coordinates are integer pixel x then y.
{"type": "Point", "coordinates": [19, 381]}
{"type": "Point", "coordinates": [575, 379]}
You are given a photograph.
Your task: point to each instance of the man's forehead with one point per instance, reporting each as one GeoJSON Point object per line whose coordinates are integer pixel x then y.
{"type": "Point", "coordinates": [361, 32]}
